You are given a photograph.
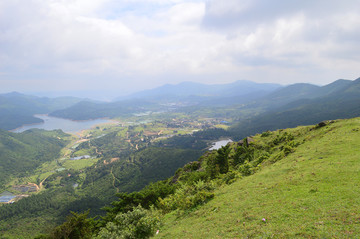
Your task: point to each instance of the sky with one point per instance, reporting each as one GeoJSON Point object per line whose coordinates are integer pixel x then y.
{"type": "Point", "coordinates": [123, 46]}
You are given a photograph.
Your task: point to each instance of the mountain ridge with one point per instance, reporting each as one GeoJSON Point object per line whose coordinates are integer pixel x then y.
{"type": "Point", "coordinates": [188, 88]}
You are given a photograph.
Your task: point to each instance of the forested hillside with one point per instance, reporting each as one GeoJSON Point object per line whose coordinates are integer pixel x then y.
{"type": "Point", "coordinates": [21, 154]}
{"type": "Point", "coordinates": [340, 99]}
{"type": "Point", "coordinates": [120, 168]}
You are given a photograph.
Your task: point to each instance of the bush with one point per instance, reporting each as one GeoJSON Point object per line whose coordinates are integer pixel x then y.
{"type": "Point", "coordinates": [229, 178]}
{"type": "Point", "coordinates": [242, 154]}
{"type": "Point", "coordinates": [263, 157]}
{"type": "Point", "coordinates": [188, 196]}
{"type": "Point", "coordinates": [77, 226]}
{"type": "Point", "coordinates": [288, 149]}
{"type": "Point", "coordinates": [278, 156]}
{"type": "Point", "coordinates": [283, 138]}
{"type": "Point", "coordinates": [245, 169]}
{"type": "Point", "coordinates": [193, 177]}
{"type": "Point", "coordinates": [138, 223]}
{"type": "Point", "coordinates": [266, 133]}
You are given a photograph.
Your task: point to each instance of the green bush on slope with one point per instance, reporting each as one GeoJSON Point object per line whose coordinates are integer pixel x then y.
{"type": "Point", "coordinates": [137, 223]}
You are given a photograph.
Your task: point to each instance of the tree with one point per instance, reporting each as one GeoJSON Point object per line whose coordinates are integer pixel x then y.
{"type": "Point", "coordinates": [77, 226]}
{"type": "Point", "coordinates": [222, 159]}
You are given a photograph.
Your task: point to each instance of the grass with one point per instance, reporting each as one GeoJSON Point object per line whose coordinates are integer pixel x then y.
{"type": "Point", "coordinates": [82, 152]}
{"type": "Point", "coordinates": [79, 164]}
{"type": "Point", "coordinates": [311, 193]}
{"type": "Point", "coordinates": [222, 126]}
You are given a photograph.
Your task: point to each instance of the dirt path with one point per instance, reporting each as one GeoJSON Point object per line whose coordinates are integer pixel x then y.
{"type": "Point", "coordinates": [117, 190]}
{"type": "Point", "coordinates": [41, 183]}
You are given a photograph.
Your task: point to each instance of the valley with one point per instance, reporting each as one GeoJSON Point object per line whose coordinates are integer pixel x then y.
{"type": "Point", "coordinates": [90, 155]}
{"type": "Point", "coordinates": [169, 154]}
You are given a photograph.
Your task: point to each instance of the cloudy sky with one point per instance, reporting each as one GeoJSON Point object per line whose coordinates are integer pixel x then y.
{"type": "Point", "coordinates": [123, 46]}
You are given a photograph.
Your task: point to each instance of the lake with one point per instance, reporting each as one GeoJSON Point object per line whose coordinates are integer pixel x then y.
{"type": "Point", "coordinates": [217, 145]}
{"type": "Point", "coordinates": [68, 126]}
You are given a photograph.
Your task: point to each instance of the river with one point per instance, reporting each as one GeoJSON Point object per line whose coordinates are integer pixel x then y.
{"type": "Point", "coordinates": [68, 126]}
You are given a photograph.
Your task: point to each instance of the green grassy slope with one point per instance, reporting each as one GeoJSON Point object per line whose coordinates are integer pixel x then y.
{"type": "Point", "coordinates": [311, 193]}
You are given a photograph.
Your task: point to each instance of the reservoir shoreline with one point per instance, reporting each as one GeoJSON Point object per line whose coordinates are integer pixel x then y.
{"type": "Point", "coordinates": [66, 125]}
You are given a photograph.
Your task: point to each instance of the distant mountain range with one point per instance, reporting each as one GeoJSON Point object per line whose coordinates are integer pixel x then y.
{"type": "Point", "coordinates": [186, 93]}
{"type": "Point", "coordinates": [17, 109]}
{"type": "Point", "coordinates": [191, 89]}
{"type": "Point", "coordinates": [300, 91]}
{"type": "Point", "coordinates": [275, 106]}
{"type": "Point", "coordinates": [86, 110]}
{"type": "Point", "coordinates": [304, 104]}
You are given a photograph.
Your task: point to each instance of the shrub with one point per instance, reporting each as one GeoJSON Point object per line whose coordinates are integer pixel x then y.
{"type": "Point", "coordinates": [242, 154]}
{"type": "Point", "coordinates": [263, 157]}
{"type": "Point", "coordinates": [266, 133]}
{"type": "Point", "coordinates": [229, 177]}
{"type": "Point", "coordinates": [245, 169]}
{"type": "Point", "coordinates": [76, 226]}
{"type": "Point", "coordinates": [188, 196]}
{"type": "Point", "coordinates": [278, 156]}
{"type": "Point", "coordinates": [288, 149]}
{"type": "Point", "coordinates": [193, 177]}
{"type": "Point", "coordinates": [138, 223]}
{"type": "Point", "coordinates": [283, 138]}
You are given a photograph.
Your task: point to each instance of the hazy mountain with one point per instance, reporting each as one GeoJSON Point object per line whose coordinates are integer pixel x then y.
{"type": "Point", "coordinates": [187, 89]}
{"type": "Point", "coordinates": [340, 99]}
{"type": "Point", "coordinates": [334, 87]}
{"type": "Point", "coordinates": [299, 91]}
{"type": "Point", "coordinates": [17, 109]}
{"type": "Point", "coordinates": [188, 93]}
{"type": "Point", "coordinates": [90, 110]}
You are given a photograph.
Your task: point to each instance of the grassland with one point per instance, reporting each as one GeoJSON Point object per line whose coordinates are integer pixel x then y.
{"type": "Point", "coordinates": [79, 164]}
{"type": "Point", "coordinates": [311, 193]}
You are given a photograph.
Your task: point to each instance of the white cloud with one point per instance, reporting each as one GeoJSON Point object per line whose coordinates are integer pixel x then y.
{"type": "Point", "coordinates": [150, 41]}
{"type": "Point", "coordinates": [221, 8]}
{"type": "Point", "coordinates": [184, 13]}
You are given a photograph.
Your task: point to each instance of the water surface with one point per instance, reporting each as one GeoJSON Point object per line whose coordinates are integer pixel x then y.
{"type": "Point", "coordinates": [218, 144]}
{"type": "Point", "coordinates": [66, 125]}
